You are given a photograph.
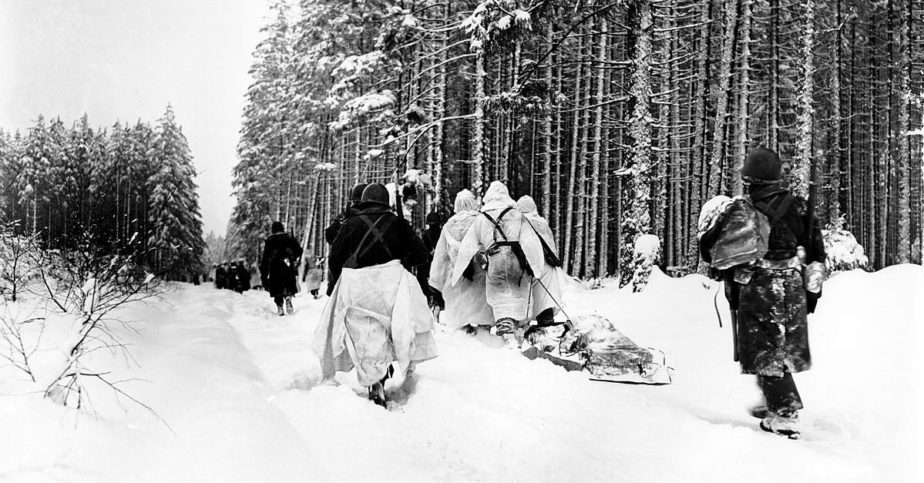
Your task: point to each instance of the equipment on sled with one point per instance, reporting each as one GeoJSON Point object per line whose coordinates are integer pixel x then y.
{"type": "Point", "coordinates": [591, 343]}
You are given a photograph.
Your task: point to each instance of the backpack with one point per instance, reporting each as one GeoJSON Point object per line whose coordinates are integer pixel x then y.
{"type": "Point", "coordinates": [744, 236]}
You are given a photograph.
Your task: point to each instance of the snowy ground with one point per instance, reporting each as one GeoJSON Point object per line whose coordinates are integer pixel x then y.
{"type": "Point", "coordinates": [236, 384]}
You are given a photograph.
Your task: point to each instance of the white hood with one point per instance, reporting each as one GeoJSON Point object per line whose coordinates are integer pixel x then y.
{"type": "Point", "coordinates": [497, 197]}
{"type": "Point", "coordinates": [465, 201]}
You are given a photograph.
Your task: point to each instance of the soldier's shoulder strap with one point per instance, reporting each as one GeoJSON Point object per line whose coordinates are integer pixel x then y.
{"type": "Point", "coordinates": [496, 223]}
{"type": "Point", "coordinates": [775, 208]}
{"type": "Point", "coordinates": [376, 231]}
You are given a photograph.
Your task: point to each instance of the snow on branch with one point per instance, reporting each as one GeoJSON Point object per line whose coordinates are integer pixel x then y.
{"type": "Point", "coordinates": [495, 22]}
{"type": "Point", "coordinates": [532, 100]}
{"type": "Point", "coordinates": [356, 65]}
{"type": "Point", "coordinates": [362, 106]}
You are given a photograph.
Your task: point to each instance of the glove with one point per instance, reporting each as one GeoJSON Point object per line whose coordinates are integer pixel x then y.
{"type": "Point", "coordinates": [811, 301]}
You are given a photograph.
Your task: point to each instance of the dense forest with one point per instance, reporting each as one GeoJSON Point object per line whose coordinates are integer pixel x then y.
{"type": "Point", "coordinates": [129, 189]}
{"type": "Point", "coordinates": [619, 117]}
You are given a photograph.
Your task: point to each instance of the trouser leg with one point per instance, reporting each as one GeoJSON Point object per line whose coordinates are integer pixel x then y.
{"type": "Point", "coordinates": [781, 394]}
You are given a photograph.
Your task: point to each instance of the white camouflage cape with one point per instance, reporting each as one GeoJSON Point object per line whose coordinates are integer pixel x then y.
{"type": "Point", "coordinates": [375, 316]}
{"type": "Point", "coordinates": [466, 303]}
{"type": "Point", "coordinates": [507, 297]}
{"type": "Point", "coordinates": [546, 289]}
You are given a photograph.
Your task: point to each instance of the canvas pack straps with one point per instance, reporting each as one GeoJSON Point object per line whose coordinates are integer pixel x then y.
{"type": "Point", "coordinates": [374, 230]}
{"type": "Point", "coordinates": [774, 211]}
{"type": "Point", "coordinates": [514, 245]}
{"type": "Point", "coordinates": [496, 223]}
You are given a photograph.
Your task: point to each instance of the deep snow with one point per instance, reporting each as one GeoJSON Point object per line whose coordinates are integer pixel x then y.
{"type": "Point", "coordinates": [238, 387]}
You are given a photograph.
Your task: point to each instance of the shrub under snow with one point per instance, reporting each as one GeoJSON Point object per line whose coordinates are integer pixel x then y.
{"type": "Point", "coordinates": [843, 250]}
{"type": "Point", "coordinates": [647, 251]}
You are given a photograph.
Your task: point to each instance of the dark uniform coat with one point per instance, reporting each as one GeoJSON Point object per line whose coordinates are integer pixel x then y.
{"type": "Point", "coordinates": [279, 265]}
{"type": "Point", "coordinates": [330, 233]}
{"type": "Point", "coordinates": [221, 277]}
{"type": "Point", "coordinates": [772, 302]}
{"type": "Point", "coordinates": [397, 242]}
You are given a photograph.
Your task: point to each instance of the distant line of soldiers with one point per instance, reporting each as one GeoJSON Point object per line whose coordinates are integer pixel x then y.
{"type": "Point", "coordinates": [236, 275]}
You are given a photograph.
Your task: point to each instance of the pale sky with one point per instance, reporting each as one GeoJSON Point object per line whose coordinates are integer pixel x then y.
{"type": "Point", "coordinates": [126, 60]}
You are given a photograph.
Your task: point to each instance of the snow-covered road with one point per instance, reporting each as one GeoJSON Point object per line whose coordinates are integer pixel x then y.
{"type": "Point", "coordinates": [238, 387]}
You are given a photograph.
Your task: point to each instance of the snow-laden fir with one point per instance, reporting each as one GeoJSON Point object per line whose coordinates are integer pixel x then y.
{"type": "Point", "coordinates": [238, 387]}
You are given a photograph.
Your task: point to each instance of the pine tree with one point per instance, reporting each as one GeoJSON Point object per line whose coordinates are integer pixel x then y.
{"type": "Point", "coordinates": [638, 219]}
{"type": "Point", "coordinates": [173, 215]}
{"type": "Point", "coordinates": [806, 124]}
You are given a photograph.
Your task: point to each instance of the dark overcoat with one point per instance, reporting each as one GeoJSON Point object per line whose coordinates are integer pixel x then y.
{"type": "Point", "coordinates": [396, 242]}
{"type": "Point", "coordinates": [330, 233]}
{"type": "Point", "coordinates": [279, 265]}
{"type": "Point", "coordinates": [221, 277]}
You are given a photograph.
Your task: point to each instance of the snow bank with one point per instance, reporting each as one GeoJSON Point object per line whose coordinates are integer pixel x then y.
{"type": "Point", "coordinates": [240, 391]}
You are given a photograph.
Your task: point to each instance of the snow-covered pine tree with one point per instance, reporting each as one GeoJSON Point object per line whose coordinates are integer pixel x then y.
{"type": "Point", "coordinates": [700, 148]}
{"type": "Point", "coordinates": [264, 150]}
{"type": "Point", "coordinates": [591, 267]}
{"type": "Point", "coordinates": [173, 214]}
{"type": "Point", "coordinates": [32, 181]}
{"type": "Point", "coordinates": [573, 162]}
{"type": "Point", "coordinates": [117, 201]}
{"type": "Point", "coordinates": [903, 153]}
{"type": "Point", "coordinates": [742, 117]}
{"type": "Point", "coordinates": [140, 169]}
{"type": "Point", "coordinates": [805, 130]}
{"type": "Point", "coordinates": [637, 219]}
{"type": "Point", "coordinates": [8, 162]}
{"type": "Point", "coordinates": [718, 174]}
